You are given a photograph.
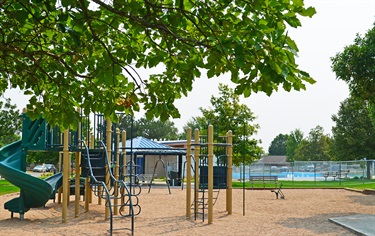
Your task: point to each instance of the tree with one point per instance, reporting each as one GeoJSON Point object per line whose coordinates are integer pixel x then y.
{"type": "Point", "coordinates": [193, 123]}
{"type": "Point", "coordinates": [128, 124]}
{"type": "Point", "coordinates": [294, 140]}
{"type": "Point", "coordinates": [316, 147]}
{"type": "Point", "coordinates": [356, 66]}
{"type": "Point", "coordinates": [151, 129]}
{"type": "Point", "coordinates": [42, 157]}
{"type": "Point", "coordinates": [353, 133]}
{"type": "Point", "coordinates": [85, 53]}
{"type": "Point", "coordinates": [10, 122]}
{"type": "Point", "coordinates": [157, 129]}
{"type": "Point", "coordinates": [10, 130]}
{"type": "Point", "coordinates": [228, 113]}
{"type": "Point", "coordinates": [278, 145]}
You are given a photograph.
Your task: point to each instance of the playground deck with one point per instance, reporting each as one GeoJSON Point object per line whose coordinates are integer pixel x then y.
{"type": "Point", "coordinates": [302, 212]}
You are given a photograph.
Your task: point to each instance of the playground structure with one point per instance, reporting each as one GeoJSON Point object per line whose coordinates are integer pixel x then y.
{"type": "Point", "coordinates": [152, 160]}
{"type": "Point", "coordinates": [97, 160]}
{"type": "Point", "coordinates": [210, 176]}
{"type": "Point", "coordinates": [102, 165]}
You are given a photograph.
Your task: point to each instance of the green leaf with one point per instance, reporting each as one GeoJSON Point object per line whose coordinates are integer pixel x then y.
{"type": "Point", "coordinates": [239, 62]}
{"type": "Point", "coordinates": [21, 16]}
{"type": "Point", "coordinates": [309, 79]}
{"type": "Point", "coordinates": [60, 27]}
{"type": "Point", "coordinates": [67, 3]}
{"type": "Point", "coordinates": [275, 67]}
{"type": "Point", "coordinates": [211, 72]}
{"type": "Point", "coordinates": [63, 17]}
{"type": "Point", "coordinates": [308, 12]}
{"type": "Point", "coordinates": [96, 43]}
{"type": "Point", "coordinates": [75, 36]}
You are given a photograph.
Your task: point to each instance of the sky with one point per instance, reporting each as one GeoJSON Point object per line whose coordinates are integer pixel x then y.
{"type": "Point", "coordinates": [333, 27]}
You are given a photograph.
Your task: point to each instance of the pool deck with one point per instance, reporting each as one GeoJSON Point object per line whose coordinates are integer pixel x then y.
{"type": "Point", "coordinates": [360, 224]}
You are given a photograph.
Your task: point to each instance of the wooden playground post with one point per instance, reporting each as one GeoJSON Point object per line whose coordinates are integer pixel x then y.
{"type": "Point", "coordinates": [61, 156]}
{"type": "Point", "coordinates": [117, 154]}
{"type": "Point", "coordinates": [109, 151]}
{"type": "Point", "coordinates": [188, 173]}
{"type": "Point", "coordinates": [229, 171]}
{"type": "Point", "coordinates": [100, 188]}
{"type": "Point", "coordinates": [88, 194]}
{"type": "Point", "coordinates": [92, 146]}
{"type": "Point", "coordinates": [210, 146]}
{"type": "Point", "coordinates": [59, 192]}
{"type": "Point", "coordinates": [196, 158]}
{"type": "Point", "coordinates": [77, 182]}
{"type": "Point", "coordinates": [66, 168]}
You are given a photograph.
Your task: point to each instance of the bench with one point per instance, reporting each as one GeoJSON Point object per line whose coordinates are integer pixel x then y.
{"type": "Point", "coordinates": [278, 191]}
{"type": "Point", "coordinates": [344, 173]}
{"type": "Point", "coordinates": [264, 179]}
{"type": "Point", "coordinates": [334, 174]}
{"type": "Point", "coordinates": [330, 174]}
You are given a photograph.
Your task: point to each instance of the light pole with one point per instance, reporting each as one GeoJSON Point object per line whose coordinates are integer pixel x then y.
{"type": "Point", "coordinates": [243, 160]}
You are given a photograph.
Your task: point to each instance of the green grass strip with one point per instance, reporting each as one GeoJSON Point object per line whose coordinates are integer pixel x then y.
{"type": "Point", "coordinates": [6, 187]}
{"type": "Point", "coordinates": [347, 183]}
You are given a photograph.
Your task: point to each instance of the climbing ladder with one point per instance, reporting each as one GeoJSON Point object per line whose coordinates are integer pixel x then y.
{"type": "Point", "coordinates": [95, 166]}
{"type": "Point", "coordinates": [201, 202]}
{"type": "Point", "coordinates": [219, 175]}
{"type": "Point", "coordinates": [219, 182]}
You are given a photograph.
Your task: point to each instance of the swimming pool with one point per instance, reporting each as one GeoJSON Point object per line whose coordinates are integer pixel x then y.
{"type": "Point", "coordinates": [237, 175]}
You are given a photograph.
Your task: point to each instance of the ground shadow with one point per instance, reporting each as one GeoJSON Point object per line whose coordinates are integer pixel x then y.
{"type": "Point", "coordinates": [318, 224]}
{"type": "Point", "coordinates": [367, 200]}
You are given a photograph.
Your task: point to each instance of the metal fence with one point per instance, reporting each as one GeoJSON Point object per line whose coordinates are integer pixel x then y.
{"type": "Point", "coordinates": [312, 170]}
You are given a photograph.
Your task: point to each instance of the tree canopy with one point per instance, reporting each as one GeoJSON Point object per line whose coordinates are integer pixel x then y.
{"type": "Point", "coordinates": [278, 145]}
{"type": "Point", "coordinates": [356, 66]}
{"type": "Point", "coordinates": [227, 113]}
{"type": "Point", "coordinates": [354, 135]}
{"type": "Point", "coordinates": [10, 122]}
{"type": "Point", "coordinates": [355, 121]}
{"type": "Point", "coordinates": [294, 140]}
{"type": "Point", "coordinates": [85, 53]}
{"type": "Point", "coordinates": [316, 147]}
{"type": "Point", "coordinates": [151, 129]}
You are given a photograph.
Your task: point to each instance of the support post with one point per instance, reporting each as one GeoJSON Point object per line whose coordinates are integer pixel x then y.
{"type": "Point", "coordinates": [61, 158]}
{"type": "Point", "coordinates": [123, 144]}
{"type": "Point", "coordinates": [77, 182]}
{"type": "Point", "coordinates": [210, 146]}
{"type": "Point", "coordinates": [229, 171]}
{"type": "Point", "coordinates": [196, 182]}
{"type": "Point", "coordinates": [88, 195]}
{"type": "Point", "coordinates": [66, 170]}
{"type": "Point", "coordinates": [117, 154]}
{"type": "Point", "coordinates": [109, 152]}
{"type": "Point", "coordinates": [188, 173]}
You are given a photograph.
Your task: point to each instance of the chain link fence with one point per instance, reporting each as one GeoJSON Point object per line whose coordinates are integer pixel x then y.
{"type": "Point", "coordinates": [311, 170]}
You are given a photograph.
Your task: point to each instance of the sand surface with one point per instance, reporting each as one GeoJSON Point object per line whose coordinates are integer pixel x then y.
{"type": "Point", "coordinates": [302, 212]}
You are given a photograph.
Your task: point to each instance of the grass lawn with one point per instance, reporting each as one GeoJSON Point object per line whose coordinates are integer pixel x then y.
{"type": "Point", "coordinates": [343, 183]}
{"type": "Point", "coordinates": [6, 187]}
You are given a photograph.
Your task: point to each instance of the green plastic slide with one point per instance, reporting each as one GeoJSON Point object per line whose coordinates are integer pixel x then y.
{"type": "Point", "coordinates": [35, 192]}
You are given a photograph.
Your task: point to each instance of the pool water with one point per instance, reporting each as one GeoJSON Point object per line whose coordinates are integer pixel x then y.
{"type": "Point", "coordinates": [237, 175]}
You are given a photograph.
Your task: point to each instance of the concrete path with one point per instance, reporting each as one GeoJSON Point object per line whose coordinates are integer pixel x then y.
{"type": "Point", "coordinates": [361, 224]}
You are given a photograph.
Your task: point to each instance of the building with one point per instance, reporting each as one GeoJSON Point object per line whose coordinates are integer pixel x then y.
{"type": "Point", "coordinates": [154, 157]}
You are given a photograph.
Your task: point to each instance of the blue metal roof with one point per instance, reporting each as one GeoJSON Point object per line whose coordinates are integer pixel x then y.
{"type": "Point", "coordinates": [141, 142]}
{"type": "Point", "coordinates": [143, 145]}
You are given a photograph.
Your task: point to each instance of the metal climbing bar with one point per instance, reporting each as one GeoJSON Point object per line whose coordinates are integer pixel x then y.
{"type": "Point", "coordinates": [211, 173]}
